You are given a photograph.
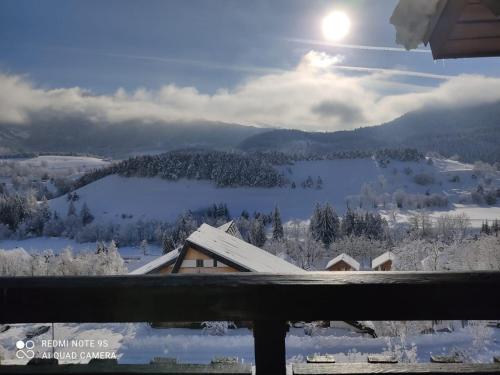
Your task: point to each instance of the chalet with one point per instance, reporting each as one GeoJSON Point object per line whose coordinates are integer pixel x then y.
{"type": "Point", "coordinates": [343, 262]}
{"type": "Point", "coordinates": [217, 250]}
{"type": "Point", "coordinates": [165, 263]}
{"type": "Point", "coordinates": [210, 250]}
{"type": "Point", "coordinates": [383, 262]}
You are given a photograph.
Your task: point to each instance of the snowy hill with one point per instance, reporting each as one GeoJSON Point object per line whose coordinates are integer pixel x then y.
{"type": "Point", "coordinates": [117, 199]}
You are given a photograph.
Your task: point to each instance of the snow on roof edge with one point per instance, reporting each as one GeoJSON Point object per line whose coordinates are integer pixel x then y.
{"type": "Point", "coordinates": [155, 263]}
{"type": "Point", "coordinates": [381, 259]}
{"type": "Point", "coordinates": [413, 21]}
{"type": "Point", "coordinates": [347, 259]}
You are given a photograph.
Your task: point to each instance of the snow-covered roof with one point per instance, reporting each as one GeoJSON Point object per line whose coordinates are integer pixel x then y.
{"type": "Point", "coordinates": [170, 258]}
{"type": "Point", "coordinates": [157, 263]}
{"type": "Point", "coordinates": [239, 252]}
{"type": "Point", "coordinates": [414, 21]}
{"type": "Point", "coordinates": [385, 257]}
{"type": "Point", "coordinates": [345, 258]}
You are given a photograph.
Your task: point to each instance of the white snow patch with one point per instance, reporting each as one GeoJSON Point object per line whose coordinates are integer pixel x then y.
{"type": "Point", "coordinates": [345, 258]}
{"type": "Point", "coordinates": [412, 20]}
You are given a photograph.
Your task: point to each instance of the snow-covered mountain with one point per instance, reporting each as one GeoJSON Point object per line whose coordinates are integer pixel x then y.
{"type": "Point", "coordinates": [472, 133]}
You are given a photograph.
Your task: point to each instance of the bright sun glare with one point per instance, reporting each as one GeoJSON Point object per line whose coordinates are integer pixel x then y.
{"type": "Point", "coordinates": [336, 26]}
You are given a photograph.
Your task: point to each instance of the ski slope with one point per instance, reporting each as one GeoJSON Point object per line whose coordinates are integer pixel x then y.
{"type": "Point", "coordinates": [118, 199]}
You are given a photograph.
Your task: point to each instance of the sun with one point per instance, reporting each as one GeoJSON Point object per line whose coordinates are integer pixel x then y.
{"type": "Point", "coordinates": [336, 26]}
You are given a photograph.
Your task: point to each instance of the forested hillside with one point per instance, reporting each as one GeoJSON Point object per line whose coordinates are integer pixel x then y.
{"type": "Point", "coordinates": [470, 133]}
{"type": "Point", "coordinates": [229, 168]}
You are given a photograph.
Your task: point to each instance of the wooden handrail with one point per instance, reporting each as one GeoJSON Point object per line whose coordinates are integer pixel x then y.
{"type": "Point", "coordinates": [251, 296]}
{"type": "Point", "coordinates": [267, 299]}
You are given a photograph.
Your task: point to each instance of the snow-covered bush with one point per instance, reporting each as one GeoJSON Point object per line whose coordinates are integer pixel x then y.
{"type": "Point", "coordinates": [397, 342]}
{"type": "Point", "coordinates": [451, 227]}
{"type": "Point", "coordinates": [471, 254]}
{"type": "Point", "coordinates": [217, 328]}
{"type": "Point", "coordinates": [19, 263]}
{"type": "Point", "coordinates": [15, 263]}
{"type": "Point", "coordinates": [484, 170]}
{"type": "Point", "coordinates": [481, 337]}
{"type": "Point", "coordinates": [306, 253]}
{"type": "Point", "coordinates": [423, 179]}
{"type": "Point", "coordinates": [409, 255]}
{"type": "Point", "coordinates": [312, 328]}
{"type": "Point", "coordinates": [359, 247]}
{"type": "Point", "coordinates": [421, 224]}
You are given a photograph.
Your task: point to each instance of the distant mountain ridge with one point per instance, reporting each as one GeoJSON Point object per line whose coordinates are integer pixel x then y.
{"type": "Point", "coordinates": [120, 140]}
{"type": "Point", "coordinates": [471, 133]}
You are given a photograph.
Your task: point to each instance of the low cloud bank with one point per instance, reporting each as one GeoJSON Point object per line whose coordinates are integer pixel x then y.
{"type": "Point", "coordinates": [315, 95]}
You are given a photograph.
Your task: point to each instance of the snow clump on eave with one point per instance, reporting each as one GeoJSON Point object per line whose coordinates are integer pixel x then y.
{"type": "Point", "coordinates": [412, 20]}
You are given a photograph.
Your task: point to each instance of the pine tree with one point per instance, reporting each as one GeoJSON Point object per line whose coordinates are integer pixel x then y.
{"type": "Point", "coordinates": [71, 209]}
{"type": "Point", "coordinates": [314, 224]}
{"type": "Point", "coordinates": [167, 242]}
{"type": "Point", "coordinates": [85, 214]}
{"type": "Point", "coordinates": [328, 225]}
{"type": "Point", "coordinates": [485, 228]}
{"type": "Point", "coordinates": [495, 228]}
{"type": "Point", "coordinates": [277, 226]}
{"type": "Point", "coordinates": [349, 223]}
{"type": "Point", "coordinates": [319, 183]}
{"type": "Point", "coordinates": [44, 209]}
{"type": "Point", "coordinates": [257, 233]}
{"type": "Point", "coordinates": [144, 247]}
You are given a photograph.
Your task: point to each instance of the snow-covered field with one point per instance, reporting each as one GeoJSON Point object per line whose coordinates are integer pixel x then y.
{"type": "Point", "coordinates": [139, 343]}
{"type": "Point", "coordinates": [114, 197]}
{"type": "Point", "coordinates": [64, 164]}
{"type": "Point", "coordinates": [133, 256]}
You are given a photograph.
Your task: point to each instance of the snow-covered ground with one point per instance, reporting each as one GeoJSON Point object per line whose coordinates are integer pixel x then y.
{"type": "Point", "coordinates": [139, 343]}
{"type": "Point", "coordinates": [64, 164]}
{"type": "Point", "coordinates": [114, 198]}
{"type": "Point", "coordinates": [477, 214]}
{"type": "Point", "coordinates": [133, 256]}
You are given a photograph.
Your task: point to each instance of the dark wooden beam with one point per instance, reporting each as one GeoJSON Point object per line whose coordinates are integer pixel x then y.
{"type": "Point", "coordinates": [251, 296]}
{"type": "Point", "coordinates": [407, 369]}
{"type": "Point", "coordinates": [298, 369]}
{"type": "Point", "coordinates": [269, 343]}
{"type": "Point", "coordinates": [155, 368]}
{"type": "Point", "coordinates": [494, 6]}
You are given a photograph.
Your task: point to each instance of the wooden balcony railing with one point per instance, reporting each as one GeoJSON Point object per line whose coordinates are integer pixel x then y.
{"type": "Point", "coordinates": [267, 300]}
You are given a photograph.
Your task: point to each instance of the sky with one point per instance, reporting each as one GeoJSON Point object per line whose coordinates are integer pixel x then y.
{"type": "Point", "coordinates": [250, 62]}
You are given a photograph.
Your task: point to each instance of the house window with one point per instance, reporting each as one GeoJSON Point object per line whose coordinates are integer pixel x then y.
{"type": "Point", "coordinates": [199, 262]}
{"type": "Point", "coordinates": [215, 263]}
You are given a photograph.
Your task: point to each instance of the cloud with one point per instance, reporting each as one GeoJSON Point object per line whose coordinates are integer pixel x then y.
{"type": "Point", "coordinates": [344, 112]}
{"type": "Point", "coordinates": [317, 94]}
